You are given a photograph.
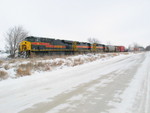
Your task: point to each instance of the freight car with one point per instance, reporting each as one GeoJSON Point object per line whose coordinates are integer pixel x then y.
{"type": "Point", "coordinates": [49, 46]}
{"type": "Point", "coordinates": [110, 48]}
{"type": "Point", "coordinates": [120, 49]}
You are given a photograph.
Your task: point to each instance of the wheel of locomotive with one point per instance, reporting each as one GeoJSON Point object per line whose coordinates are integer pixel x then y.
{"type": "Point", "coordinates": [27, 54]}
{"type": "Point", "coordinates": [19, 54]}
{"type": "Point", "coordinates": [24, 54]}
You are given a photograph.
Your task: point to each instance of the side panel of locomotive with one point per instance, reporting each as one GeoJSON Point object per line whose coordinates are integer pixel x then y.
{"type": "Point", "coordinates": [46, 46]}
{"type": "Point", "coordinates": [100, 47]}
{"type": "Point", "coordinates": [83, 47]}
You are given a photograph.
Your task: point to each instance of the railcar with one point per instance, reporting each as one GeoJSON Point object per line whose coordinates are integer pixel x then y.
{"type": "Point", "coordinates": [110, 48]}
{"type": "Point", "coordinates": [120, 49]}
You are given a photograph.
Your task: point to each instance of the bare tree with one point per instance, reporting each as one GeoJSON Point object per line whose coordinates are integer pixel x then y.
{"type": "Point", "coordinates": [13, 37]}
{"type": "Point", "coordinates": [148, 48]}
{"type": "Point", "coordinates": [136, 46]}
{"type": "Point", "coordinates": [109, 43]}
{"type": "Point", "coordinates": [93, 40]}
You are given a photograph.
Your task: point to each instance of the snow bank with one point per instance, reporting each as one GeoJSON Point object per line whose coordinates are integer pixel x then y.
{"type": "Point", "coordinates": [3, 55]}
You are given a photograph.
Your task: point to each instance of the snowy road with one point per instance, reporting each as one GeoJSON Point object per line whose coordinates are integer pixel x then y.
{"type": "Point", "coordinates": [117, 85]}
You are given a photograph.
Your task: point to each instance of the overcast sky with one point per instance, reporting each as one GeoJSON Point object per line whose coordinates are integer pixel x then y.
{"type": "Point", "coordinates": [120, 22]}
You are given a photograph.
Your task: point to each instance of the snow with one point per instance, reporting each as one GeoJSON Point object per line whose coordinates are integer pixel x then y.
{"type": "Point", "coordinates": [134, 88]}
{"type": "Point", "coordinates": [78, 88]}
{"type": "Point", "coordinates": [3, 55]}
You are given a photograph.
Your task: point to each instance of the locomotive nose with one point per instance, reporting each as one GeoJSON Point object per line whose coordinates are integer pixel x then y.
{"type": "Point", "coordinates": [24, 47]}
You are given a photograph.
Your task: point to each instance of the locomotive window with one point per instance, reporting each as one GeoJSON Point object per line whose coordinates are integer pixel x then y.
{"type": "Point", "coordinates": [26, 39]}
{"type": "Point", "coordinates": [31, 39]}
{"type": "Point", "coordinates": [48, 40]}
{"type": "Point", "coordinates": [37, 39]}
{"type": "Point", "coordinates": [33, 46]}
{"type": "Point", "coordinates": [43, 40]}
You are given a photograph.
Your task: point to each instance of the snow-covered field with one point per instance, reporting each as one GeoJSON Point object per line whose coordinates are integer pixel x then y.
{"type": "Point", "coordinates": [119, 84]}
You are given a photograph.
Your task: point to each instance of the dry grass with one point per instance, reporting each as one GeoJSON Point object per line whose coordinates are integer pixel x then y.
{"type": "Point", "coordinates": [6, 67]}
{"type": "Point", "coordinates": [21, 59]}
{"type": "Point", "coordinates": [28, 65]}
{"type": "Point", "coordinates": [58, 63]}
{"type": "Point", "coordinates": [115, 54]}
{"type": "Point", "coordinates": [91, 59]}
{"type": "Point", "coordinates": [12, 61]}
{"type": "Point", "coordinates": [1, 62]}
{"type": "Point", "coordinates": [125, 53]}
{"type": "Point", "coordinates": [24, 69]}
{"type": "Point", "coordinates": [33, 55]}
{"type": "Point", "coordinates": [67, 64]}
{"type": "Point", "coordinates": [46, 57]}
{"type": "Point", "coordinates": [41, 66]}
{"type": "Point", "coordinates": [23, 72]}
{"type": "Point", "coordinates": [3, 75]}
{"type": "Point", "coordinates": [102, 56]}
{"type": "Point", "coordinates": [78, 61]}
{"type": "Point", "coordinates": [57, 56]}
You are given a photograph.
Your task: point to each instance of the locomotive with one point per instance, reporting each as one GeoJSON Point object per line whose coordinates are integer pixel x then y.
{"type": "Point", "coordinates": [49, 46]}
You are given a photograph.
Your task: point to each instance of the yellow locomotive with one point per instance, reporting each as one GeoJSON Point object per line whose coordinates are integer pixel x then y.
{"type": "Point", "coordinates": [25, 49]}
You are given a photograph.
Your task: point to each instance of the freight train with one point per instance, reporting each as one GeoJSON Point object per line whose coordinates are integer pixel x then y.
{"type": "Point", "coordinates": [49, 46]}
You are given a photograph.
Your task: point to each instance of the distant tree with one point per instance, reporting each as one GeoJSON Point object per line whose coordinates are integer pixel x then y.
{"type": "Point", "coordinates": [136, 46]}
{"type": "Point", "coordinates": [130, 48]}
{"type": "Point", "coordinates": [93, 40]}
{"type": "Point", "coordinates": [148, 48]}
{"type": "Point", "coordinates": [13, 37]}
{"type": "Point", "coordinates": [109, 43]}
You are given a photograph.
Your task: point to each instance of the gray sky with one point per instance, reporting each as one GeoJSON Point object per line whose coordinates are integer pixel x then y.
{"type": "Point", "coordinates": [120, 22]}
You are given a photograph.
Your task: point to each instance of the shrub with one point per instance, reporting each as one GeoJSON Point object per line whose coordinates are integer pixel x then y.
{"type": "Point", "coordinates": [125, 53]}
{"type": "Point", "coordinates": [3, 74]}
{"type": "Point", "coordinates": [6, 67]}
{"type": "Point", "coordinates": [102, 56]}
{"type": "Point", "coordinates": [28, 65]}
{"type": "Point", "coordinates": [12, 61]}
{"type": "Point", "coordinates": [23, 72]}
{"type": "Point", "coordinates": [24, 69]}
{"type": "Point", "coordinates": [41, 66]}
{"type": "Point", "coordinates": [47, 67]}
{"type": "Point", "coordinates": [78, 61]}
{"type": "Point", "coordinates": [115, 54]}
{"type": "Point", "coordinates": [1, 62]}
{"type": "Point", "coordinates": [57, 63]}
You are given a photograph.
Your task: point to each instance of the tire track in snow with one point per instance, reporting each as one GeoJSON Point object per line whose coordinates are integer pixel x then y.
{"type": "Point", "coordinates": [104, 92]}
